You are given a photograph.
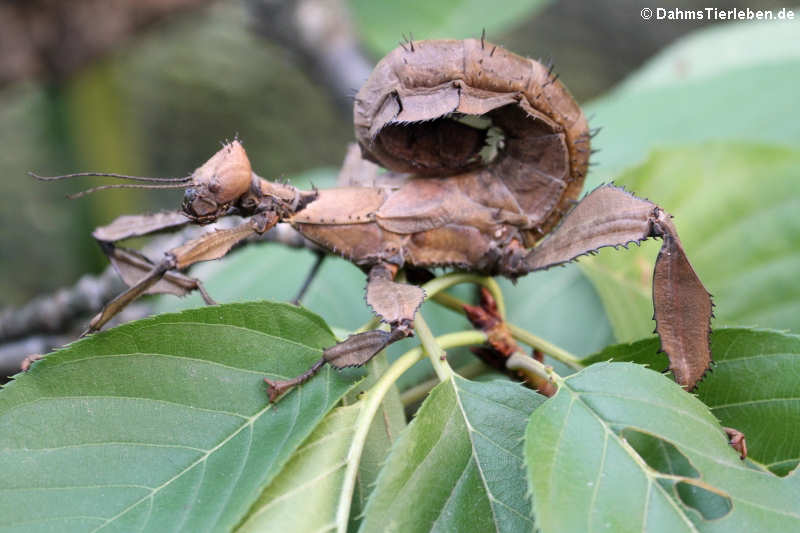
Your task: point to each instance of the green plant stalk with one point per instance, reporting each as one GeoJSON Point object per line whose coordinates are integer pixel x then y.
{"type": "Point", "coordinates": [371, 402]}
{"type": "Point", "coordinates": [418, 392]}
{"type": "Point", "coordinates": [434, 287]}
{"type": "Point", "coordinates": [451, 302]}
{"type": "Point", "coordinates": [524, 363]}
{"type": "Point", "coordinates": [547, 347]}
{"type": "Point", "coordinates": [435, 352]}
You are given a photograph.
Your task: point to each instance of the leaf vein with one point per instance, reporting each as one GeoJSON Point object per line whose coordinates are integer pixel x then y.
{"type": "Point", "coordinates": [112, 397]}
{"type": "Point", "coordinates": [756, 402]}
{"type": "Point", "coordinates": [251, 420]}
{"type": "Point", "coordinates": [111, 443]}
{"type": "Point", "coordinates": [597, 481]}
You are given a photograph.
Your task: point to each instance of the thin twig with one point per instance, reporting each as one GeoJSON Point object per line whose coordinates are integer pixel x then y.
{"type": "Point", "coordinates": [534, 341]}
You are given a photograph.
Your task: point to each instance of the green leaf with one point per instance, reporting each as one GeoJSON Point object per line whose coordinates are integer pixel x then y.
{"type": "Point", "coordinates": [162, 424]}
{"type": "Point", "coordinates": [720, 83]}
{"type": "Point", "coordinates": [584, 476]}
{"type": "Point", "coordinates": [381, 24]}
{"type": "Point", "coordinates": [753, 388]}
{"type": "Point", "coordinates": [324, 485]}
{"type": "Point", "coordinates": [735, 207]}
{"type": "Point", "coordinates": [718, 49]}
{"type": "Point", "coordinates": [305, 495]}
{"type": "Point", "coordinates": [458, 465]}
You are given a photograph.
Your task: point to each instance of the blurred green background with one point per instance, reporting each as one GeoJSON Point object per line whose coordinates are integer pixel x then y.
{"type": "Point", "coordinates": [701, 117]}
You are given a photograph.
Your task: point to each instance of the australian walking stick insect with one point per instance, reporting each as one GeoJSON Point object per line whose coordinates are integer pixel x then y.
{"type": "Point", "coordinates": [486, 154]}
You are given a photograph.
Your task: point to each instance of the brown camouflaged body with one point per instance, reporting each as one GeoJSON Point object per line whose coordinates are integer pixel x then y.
{"type": "Point", "coordinates": [425, 222]}
{"type": "Point", "coordinates": [441, 205]}
{"type": "Point", "coordinates": [450, 198]}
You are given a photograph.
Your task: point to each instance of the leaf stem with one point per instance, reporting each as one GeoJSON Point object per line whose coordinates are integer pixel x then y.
{"type": "Point", "coordinates": [556, 352]}
{"type": "Point", "coordinates": [528, 365]}
{"type": "Point", "coordinates": [371, 402]}
{"type": "Point", "coordinates": [435, 287]}
{"type": "Point", "coordinates": [418, 392]}
{"type": "Point", "coordinates": [534, 341]}
{"type": "Point", "coordinates": [435, 352]}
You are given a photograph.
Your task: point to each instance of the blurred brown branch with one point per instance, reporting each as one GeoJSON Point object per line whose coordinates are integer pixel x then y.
{"type": "Point", "coordinates": [57, 312]}
{"type": "Point", "coordinates": [320, 35]}
{"type": "Point", "coordinates": [52, 38]}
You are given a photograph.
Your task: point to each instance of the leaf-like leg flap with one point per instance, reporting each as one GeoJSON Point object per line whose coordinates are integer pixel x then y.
{"type": "Point", "coordinates": [205, 248]}
{"type": "Point", "coordinates": [355, 350]}
{"type": "Point", "coordinates": [683, 308]}
{"type": "Point", "coordinates": [396, 303]}
{"type": "Point", "coordinates": [608, 216]}
{"type": "Point", "coordinates": [128, 226]}
{"type": "Point", "coordinates": [393, 302]}
{"type": "Point", "coordinates": [217, 243]}
{"type": "Point", "coordinates": [132, 266]}
{"type": "Point", "coordinates": [611, 216]}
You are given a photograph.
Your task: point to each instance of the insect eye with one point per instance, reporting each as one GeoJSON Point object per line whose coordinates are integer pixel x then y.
{"type": "Point", "coordinates": [196, 205]}
{"type": "Point", "coordinates": [188, 197]}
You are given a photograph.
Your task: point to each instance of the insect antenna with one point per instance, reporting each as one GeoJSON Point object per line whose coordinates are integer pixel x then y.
{"type": "Point", "coordinates": [180, 185]}
{"type": "Point", "coordinates": [158, 183]}
{"type": "Point", "coordinates": [109, 175]}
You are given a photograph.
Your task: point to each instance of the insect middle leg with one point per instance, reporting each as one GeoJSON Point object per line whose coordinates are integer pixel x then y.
{"type": "Point", "coordinates": [319, 257]}
{"type": "Point", "coordinates": [395, 303]}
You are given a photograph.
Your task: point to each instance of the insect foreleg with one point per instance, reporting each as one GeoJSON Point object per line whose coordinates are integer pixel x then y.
{"type": "Point", "coordinates": [120, 302]}
{"type": "Point", "coordinates": [132, 266]}
{"type": "Point", "coordinates": [205, 248]}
